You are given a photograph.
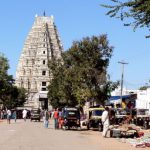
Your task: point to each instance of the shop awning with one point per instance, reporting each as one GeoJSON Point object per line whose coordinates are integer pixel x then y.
{"type": "Point", "coordinates": [118, 97]}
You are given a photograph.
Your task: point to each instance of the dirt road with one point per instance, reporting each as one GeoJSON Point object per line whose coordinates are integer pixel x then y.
{"type": "Point", "coordinates": [33, 136]}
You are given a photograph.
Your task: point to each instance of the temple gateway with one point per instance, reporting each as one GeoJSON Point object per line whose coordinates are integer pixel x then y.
{"type": "Point", "coordinates": [41, 45]}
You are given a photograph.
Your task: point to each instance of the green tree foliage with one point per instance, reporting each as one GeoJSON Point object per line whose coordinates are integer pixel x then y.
{"type": "Point", "coordinates": [10, 96]}
{"type": "Point", "coordinates": [15, 97]}
{"type": "Point", "coordinates": [81, 75]}
{"type": "Point", "coordinates": [137, 10]}
{"type": "Point", "coordinates": [56, 93]}
{"type": "Point", "coordinates": [143, 88]}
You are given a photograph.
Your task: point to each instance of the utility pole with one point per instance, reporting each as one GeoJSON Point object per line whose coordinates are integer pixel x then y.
{"type": "Point", "coordinates": [122, 76]}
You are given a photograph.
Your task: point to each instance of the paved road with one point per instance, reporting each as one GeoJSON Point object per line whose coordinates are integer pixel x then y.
{"type": "Point", "coordinates": [33, 136]}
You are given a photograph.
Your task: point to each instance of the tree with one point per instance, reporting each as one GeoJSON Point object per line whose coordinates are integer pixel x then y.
{"type": "Point", "coordinates": [143, 88]}
{"type": "Point", "coordinates": [55, 92]}
{"type": "Point", "coordinates": [60, 88]}
{"type": "Point", "coordinates": [15, 97]}
{"type": "Point", "coordinates": [10, 96]}
{"type": "Point", "coordinates": [5, 79]}
{"type": "Point", "coordinates": [137, 12]}
{"type": "Point", "coordinates": [81, 75]}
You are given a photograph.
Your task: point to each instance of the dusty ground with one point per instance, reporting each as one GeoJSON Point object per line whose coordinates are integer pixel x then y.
{"type": "Point", "coordinates": [33, 136]}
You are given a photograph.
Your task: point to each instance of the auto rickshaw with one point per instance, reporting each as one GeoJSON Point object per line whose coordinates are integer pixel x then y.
{"type": "Point", "coordinates": [141, 117]}
{"type": "Point", "coordinates": [120, 116]}
{"type": "Point", "coordinates": [94, 116]}
{"type": "Point", "coordinates": [70, 118]}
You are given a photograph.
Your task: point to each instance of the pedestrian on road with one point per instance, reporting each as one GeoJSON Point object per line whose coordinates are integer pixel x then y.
{"type": "Point", "coordinates": [52, 114]}
{"type": "Point", "coordinates": [60, 119]}
{"type": "Point", "coordinates": [15, 115]}
{"type": "Point", "coordinates": [42, 114]}
{"type": "Point", "coordinates": [24, 114]}
{"type": "Point", "coordinates": [105, 121]}
{"type": "Point", "coordinates": [8, 116]}
{"type": "Point", "coordinates": [2, 114]}
{"type": "Point", "coordinates": [123, 104]}
{"type": "Point", "coordinates": [56, 116]}
{"type": "Point", "coordinates": [46, 119]}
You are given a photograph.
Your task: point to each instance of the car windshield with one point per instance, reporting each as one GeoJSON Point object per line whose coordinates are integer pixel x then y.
{"type": "Point", "coordinates": [97, 112]}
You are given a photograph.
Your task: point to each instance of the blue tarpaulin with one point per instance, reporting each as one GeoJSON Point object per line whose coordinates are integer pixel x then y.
{"type": "Point", "coordinates": [118, 97]}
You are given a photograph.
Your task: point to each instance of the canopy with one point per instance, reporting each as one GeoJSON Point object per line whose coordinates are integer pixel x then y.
{"type": "Point", "coordinates": [118, 97]}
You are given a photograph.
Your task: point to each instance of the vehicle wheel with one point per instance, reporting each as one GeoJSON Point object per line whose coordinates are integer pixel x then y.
{"type": "Point", "coordinates": [64, 128]}
{"type": "Point", "coordinates": [79, 128]}
{"type": "Point", "coordinates": [100, 128]}
{"type": "Point", "coordinates": [76, 128]}
{"type": "Point", "coordinates": [145, 125]}
{"type": "Point", "coordinates": [88, 126]}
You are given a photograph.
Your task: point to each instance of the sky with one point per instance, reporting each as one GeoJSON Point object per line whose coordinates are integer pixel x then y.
{"type": "Point", "coordinates": [76, 19]}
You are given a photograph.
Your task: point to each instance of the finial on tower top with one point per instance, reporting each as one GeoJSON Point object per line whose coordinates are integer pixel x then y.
{"type": "Point", "coordinates": [52, 17]}
{"type": "Point", "coordinates": [44, 14]}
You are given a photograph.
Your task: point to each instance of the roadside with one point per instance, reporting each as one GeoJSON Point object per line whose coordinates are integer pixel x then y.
{"type": "Point", "coordinates": [1, 120]}
{"type": "Point", "coordinates": [33, 136]}
{"type": "Point", "coordinates": [114, 143]}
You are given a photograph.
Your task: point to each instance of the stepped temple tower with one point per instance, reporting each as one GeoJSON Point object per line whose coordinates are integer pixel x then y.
{"type": "Point", "coordinates": [32, 73]}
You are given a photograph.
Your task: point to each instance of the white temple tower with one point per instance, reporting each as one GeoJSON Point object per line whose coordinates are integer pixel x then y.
{"type": "Point", "coordinates": [32, 73]}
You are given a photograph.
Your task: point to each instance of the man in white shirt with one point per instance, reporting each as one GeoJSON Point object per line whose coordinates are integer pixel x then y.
{"type": "Point", "coordinates": [8, 116]}
{"type": "Point", "coordinates": [105, 121]}
{"type": "Point", "coordinates": [24, 114]}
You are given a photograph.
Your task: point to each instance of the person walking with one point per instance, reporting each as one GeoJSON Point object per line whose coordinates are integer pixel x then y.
{"type": "Point", "coordinates": [2, 114]}
{"type": "Point", "coordinates": [60, 119]}
{"type": "Point", "coordinates": [52, 114]}
{"type": "Point", "coordinates": [56, 116]}
{"type": "Point", "coordinates": [46, 119]}
{"type": "Point", "coordinates": [15, 115]}
{"type": "Point", "coordinates": [105, 121]}
{"type": "Point", "coordinates": [24, 114]}
{"type": "Point", "coordinates": [8, 116]}
{"type": "Point", "coordinates": [123, 104]}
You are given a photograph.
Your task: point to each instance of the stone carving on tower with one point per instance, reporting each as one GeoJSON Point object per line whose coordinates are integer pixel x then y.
{"type": "Point", "coordinates": [41, 45]}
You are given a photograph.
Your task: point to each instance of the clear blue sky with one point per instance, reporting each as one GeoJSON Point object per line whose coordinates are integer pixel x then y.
{"type": "Point", "coordinates": [76, 19]}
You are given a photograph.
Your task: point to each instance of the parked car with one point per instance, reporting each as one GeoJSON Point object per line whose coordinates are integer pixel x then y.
{"type": "Point", "coordinates": [93, 118]}
{"type": "Point", "coordinates": [35, 114]}
{"type": "Point", "coordinates": [70, 117]}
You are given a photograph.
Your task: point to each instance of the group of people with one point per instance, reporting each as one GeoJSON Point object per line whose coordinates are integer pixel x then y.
{"type": "Point", "coordinates": [125, 105]}
{"type": "Point", "coordinates": [55, 114]}
{"type": "Point", "coordinates": [12, 114]}
{"type": "Point", "coordinates": [8, 114]}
